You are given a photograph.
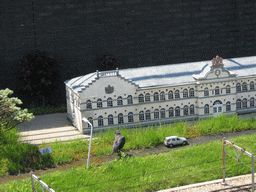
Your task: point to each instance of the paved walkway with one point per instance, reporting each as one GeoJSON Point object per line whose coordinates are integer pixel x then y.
{"type": "Point", "coordinates": [49, 128]}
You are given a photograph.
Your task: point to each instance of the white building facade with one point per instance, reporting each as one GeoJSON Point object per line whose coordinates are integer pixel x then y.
{"type": "Point", "coordinates": [166, 93]}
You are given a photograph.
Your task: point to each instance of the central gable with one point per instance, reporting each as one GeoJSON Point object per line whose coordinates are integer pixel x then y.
{"type": "Point", "coordinates": [215, 71]}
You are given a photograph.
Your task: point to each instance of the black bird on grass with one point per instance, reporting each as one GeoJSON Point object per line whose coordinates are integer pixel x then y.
{"type": "Point", "coordinates": [118, 143]}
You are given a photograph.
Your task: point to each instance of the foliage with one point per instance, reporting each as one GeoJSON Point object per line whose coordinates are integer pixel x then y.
{"type": "Point", "coordinates": [184, 166]}
{"type": "Point", "coordinates": [109, 61]}
{"type": "Point", "coordinates": [10, 114]}
{"type": "Point", "coordinates": [40, 73]}
{"type": "Point", "coordinates": [48, 110]}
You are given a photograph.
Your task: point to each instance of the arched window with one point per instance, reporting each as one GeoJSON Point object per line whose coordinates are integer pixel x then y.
{"type": "Point", "coordinates": [171, 112]}
{"type": "Point", "coordinates": [89, 104]}
{"type": "Point", "coordinates": [129, 100]}
{"type": "Point", "coordinates": [251, 85]}
{"type": "Point", "coordinates": [206, 92]}
{"type": "Point", "coordinates": [238, 87]}
{"type": "Point", "coordinates": [141, 98]}
{"type": "Point", "coordinates": [252, 102]}
{"type": "Point", "coordinates": [206, 109]}
{"type": "Point", "coordinates": [156, 114]}
{"type": "Point", "coordinates": [217, 90]}
{"type": "Point", "coordinates": [244, 85]}
{"type": "Point", "coordinates": [185, 93]}
{"type": "Point", "coordinates": [156, 96]}
{"type": "Point", "coordinates": [170, 95]}
{"type": "Point", "coordinates": [90, 119]}
{"type": "Point", "coordinates": [119, 100]}
{"type": "Point", "coordinates": [141, 116]}
{"type": "Point", "coordinates": [192, 109]}
{"type": "Point", "coordinates": [99, 103]}
{"type": "Point", "coordinates": [100, 121]}
{"type": "Point", "coordinates": [227, 89]}
{"type": "Point", "coordinates": [147, 97]}
{"type": "Point", "coordinates": [228, 106]}
{"type": "Point", "coordinates": [110, 120]}
{"type": "Point", "coordinates": [177, 111]}
{"type": "Point", "coordinates": [148, 115]}
{"type": "Point", "coordinates": [177, 94]}
{"type": "Point", "coordinates": [130, 117]}
{"type": "Point", "coordinates": [238, 104]}
{"type": "Point", "coordinates": [120, 118]}
{"type": "Point", "coordinates": [162, 112]}
{"type": "Point", "coordinates": [162, 96]}
{"type": "Point", "coordinates": [109, 102]}
{"type": "Point", "coordinates": [185, 110]}
{"type": "Point", "coordinates": [244, 103]}
{"type": "Point", "coordinates": [191, 92]}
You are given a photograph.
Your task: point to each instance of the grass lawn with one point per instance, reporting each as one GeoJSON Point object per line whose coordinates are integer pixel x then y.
{"type": "Point", "coordinates": [20, 157]}
{"type": "Point", "coordinates": [187, 165]}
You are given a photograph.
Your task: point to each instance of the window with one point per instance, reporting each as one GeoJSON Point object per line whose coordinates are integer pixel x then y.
{"type": "Point", "coordinates": [244, 86]}
{"type": "Point", "coordinates": [185, 110]}
{"type": "Point", "coordinates": [141, 98]}
{"type": "Point", "coordinates": [191, 92]}
{"type": "Point", "coordinates": [238, 104]}
{"type": "Point", "coordinates": [238, 87]}
{"type": "Point", "coordinates": [109, 102]}
{"type": "Point", "coordinates": [252, 102]}
{"type": "Point", "coordinates": [206, 109]}
{"type": "Point", "coordinates": [206, 92]}
{"type": "Point", "coordinates": [251, 85]}
{"type": "Point", "coordinates": [227, 89]}
{"type": "Point", "coordinates": [141, 116]}
{"type": "Point", "coordinates": [129, 100]}
{"type": "Point", "coordinates": [162, 112]}
{"type": "Point", "coordinates": [177, 111]}
{"type": "Point", "coordinates": [170, 112]}
{"type": "Point", "coordinates": [185, 93]}
{"type": "Point", "coordinates": [244, 103]}
{"type": "Point", "coordinates": [147, 97]}
{"type": "Point", "coordinates": [148, 115]}
{"type": "Point", "coordinates": [156, 96]}
{"type": "Point", "coordinates": [120, 118]}
{"type": "Point", "coordinates": [177, 94]}
{"type": "Point", "coordinates": [192, 109]}
{"type": "Point", "coordinates": [217, 90]}
{"type": "Point", "coordinates": [228, 106]}
{"type": "Point", "coordinates": [156, 114]}
{"type": "Point", "coordinates": [99, 103]}
{"type": "Point", "coordinates": [119, 100]}
{"type": "Point", "coordinates": [91, 121]}
{"type": "Point", "coordinates": [170, 95]}
{"type": "Point", "coordinates": [130, 117]}
{"type": "Point", "coordinates": [89, 104]}
{"type": "Point", "coordinates": [100, 121]}
{"type": "Point", "coordinates": [110, 120]}
{"type": "Point", "coordinates": [162, 96]}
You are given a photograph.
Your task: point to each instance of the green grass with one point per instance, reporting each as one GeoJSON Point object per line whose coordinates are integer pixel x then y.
{"type": "Point", "coordinates": [48, 110]}
{"type": "Point", "coordinates": [22, 161]}
{"type": "Point", "coordinates": [187, 165]}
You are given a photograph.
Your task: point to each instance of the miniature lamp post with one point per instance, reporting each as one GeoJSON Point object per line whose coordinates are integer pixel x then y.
{"type": "Point", "coordinates": [89, 152]}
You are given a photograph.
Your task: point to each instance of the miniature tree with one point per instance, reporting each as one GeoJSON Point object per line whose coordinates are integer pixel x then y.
{"type": "Point", "coordinates": [39, 74]}
{"type": "Point", "coordinates": [109, 61]}
{"type": "Point", "coordinates": [10, 114]}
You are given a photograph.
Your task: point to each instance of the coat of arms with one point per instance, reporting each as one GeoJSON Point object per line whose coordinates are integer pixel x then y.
{"type": "Point", "coordinates": [109, 89]}
{"type": "Point", "coordinates": [217, 61]}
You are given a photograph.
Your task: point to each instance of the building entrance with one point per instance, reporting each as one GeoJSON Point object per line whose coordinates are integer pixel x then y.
{"type": "Point", "coordinates": [217, 107]}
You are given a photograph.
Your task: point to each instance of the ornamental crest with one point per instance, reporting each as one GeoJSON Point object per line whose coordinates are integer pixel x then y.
{"type": "Point", "coordinates": [217, 61]}
{"type": "Point", "coordinates": [109, 89]}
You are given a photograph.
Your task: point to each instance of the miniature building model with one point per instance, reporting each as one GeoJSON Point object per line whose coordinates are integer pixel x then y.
{"type": "Point", "coordinates": [166, 93]}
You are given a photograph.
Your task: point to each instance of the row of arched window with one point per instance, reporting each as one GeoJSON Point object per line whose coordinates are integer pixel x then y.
{"type": "Point", "coordinates": [148, 115]}
{"type": "Point", "coordinates": [243, 103]}
{"type": "Point", "coordinates": [170, 95]}
{"type": "Point", "coordinates": [244, 86]}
